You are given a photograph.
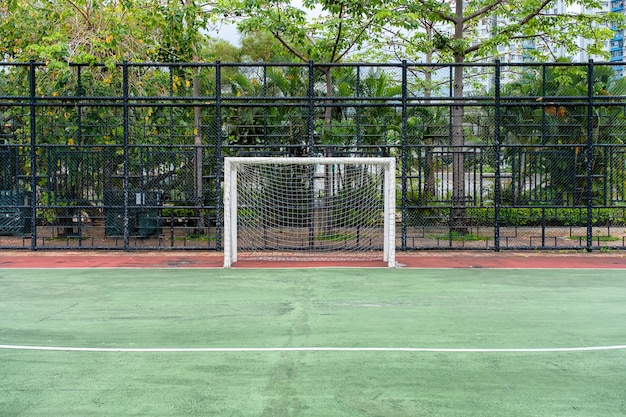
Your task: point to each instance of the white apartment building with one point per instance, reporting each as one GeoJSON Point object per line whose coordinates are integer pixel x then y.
{"type": "Point", "coordinates": [520, 52]}
{"type": "Point", "coordinates": [616, 45]}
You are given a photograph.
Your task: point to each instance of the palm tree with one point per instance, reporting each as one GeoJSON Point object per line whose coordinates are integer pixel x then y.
{"type": "Point", "coordinates": [562, 128]}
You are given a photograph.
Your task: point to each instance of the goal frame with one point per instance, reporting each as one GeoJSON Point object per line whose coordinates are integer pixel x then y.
{"type": "Point", "coordinates": [231, 165]}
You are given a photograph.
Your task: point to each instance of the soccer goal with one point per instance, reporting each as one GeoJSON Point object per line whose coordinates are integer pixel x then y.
{"type": "Point", "coordinates": [298, 208]}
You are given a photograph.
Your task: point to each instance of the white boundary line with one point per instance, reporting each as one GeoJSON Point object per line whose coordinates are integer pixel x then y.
{"type": "Point", "coordinates": [314, 349]}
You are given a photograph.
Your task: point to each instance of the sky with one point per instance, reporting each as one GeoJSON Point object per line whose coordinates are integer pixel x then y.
{"type": "Point", "coordinates": [229, 33]}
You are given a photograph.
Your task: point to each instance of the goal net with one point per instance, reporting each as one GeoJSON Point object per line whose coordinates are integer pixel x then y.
{"type": "Point", "coordinates": [303, 208]}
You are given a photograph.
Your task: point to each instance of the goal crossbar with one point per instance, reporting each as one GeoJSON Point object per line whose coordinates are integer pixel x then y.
{"type": "Point", "coordinates": [272, 204]}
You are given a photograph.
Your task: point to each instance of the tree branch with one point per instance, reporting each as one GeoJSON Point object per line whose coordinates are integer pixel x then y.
{"type": "Point", "coordinates": [508, 30]}
{"type": "Point", "coordinates": [441, 14]}
{"type": "Point", "coordinates": [534, 13]}
{"type": "Point", "coordinates": [482, 11]}
{"type": "Point", "coordinates": [284, 43]}
{"type": "Point", "coordinates": [82, 12]}
{"type": "Point", "coordinates": [355, 40]}
{"type": "Point", "coordinates": [332, 56]}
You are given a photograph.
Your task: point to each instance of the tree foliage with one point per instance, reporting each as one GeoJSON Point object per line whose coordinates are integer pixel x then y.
{"type": "Point", "coordinates": [89, 31]}
{"type": "Point", "coordinates": [322, 31]}
{"type": "Point", "coordinates": [536, 26]}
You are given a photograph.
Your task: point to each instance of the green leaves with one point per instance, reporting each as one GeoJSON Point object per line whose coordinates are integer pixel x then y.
{"type": "Point", "coordinates": [322, 30]}
{"type": "Point", "coordinates": [103, 31]}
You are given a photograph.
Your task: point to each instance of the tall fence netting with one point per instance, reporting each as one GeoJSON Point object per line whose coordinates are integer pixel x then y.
{"type": "Point", "coordinates": [529, 156]}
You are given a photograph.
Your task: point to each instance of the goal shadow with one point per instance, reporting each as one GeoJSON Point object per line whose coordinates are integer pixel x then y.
{"type": "Point", "coordinates": [282, 260]}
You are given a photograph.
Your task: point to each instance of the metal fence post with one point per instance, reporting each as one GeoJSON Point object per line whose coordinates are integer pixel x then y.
{"type": "Point", "coordinates": [33, 154]}
{"type": "Point", "coordinates": [497, 151]}
{"type": "Point", "coordinates": [589, 195]}
{"type": "Point", "coordinates": [311, 115]}
{"type": "Point", "coordinates": [358, 109]}
{"type": "Point", "coordinates": [404, 155]}
{"type": "Point", "coordinates": [311, 151]}
{"type": "Point", "coordinates": [79, 141]}
{"type": "Point", "coordinates": [219, 208]}
{"type": "Point", "coordinates": [126, 182]}
{"type": "Point", "coordinates": [79, 108]}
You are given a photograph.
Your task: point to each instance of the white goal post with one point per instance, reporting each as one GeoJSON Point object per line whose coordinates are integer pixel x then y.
{"type": "Point", "coordinates": [295, 207]}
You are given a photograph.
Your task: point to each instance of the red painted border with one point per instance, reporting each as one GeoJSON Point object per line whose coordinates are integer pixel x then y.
{"type": "Point", "coordinates": [469, 259]}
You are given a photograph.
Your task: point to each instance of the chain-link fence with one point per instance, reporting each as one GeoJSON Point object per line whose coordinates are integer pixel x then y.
{"type": "Point", "coordinates": [130, 157]}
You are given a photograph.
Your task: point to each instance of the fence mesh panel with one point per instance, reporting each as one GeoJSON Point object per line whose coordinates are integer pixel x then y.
{"type": "Point", "coordinates": [131, 156]}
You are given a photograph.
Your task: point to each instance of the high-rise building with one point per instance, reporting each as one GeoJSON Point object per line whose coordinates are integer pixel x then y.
{"type": "Point", "coordinates": [616, 45]}
{"type": "Point", "coordinates": [521, 51]}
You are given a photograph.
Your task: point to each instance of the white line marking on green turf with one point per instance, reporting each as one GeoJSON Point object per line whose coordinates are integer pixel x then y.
{"type": "Point", "coordinates": [315, 349]}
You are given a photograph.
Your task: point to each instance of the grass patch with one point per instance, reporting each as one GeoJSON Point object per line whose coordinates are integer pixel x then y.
{"type": "Point", "coordinates": [460, 237]}
{"type": "Point", "coordinates": [604, 238]}
{"type": "Point", "coordinates": [62, 238]}
{"type": "Point", "coordinates": [333, 237]}
{"type": "Point", "coordinates": [196, 238]}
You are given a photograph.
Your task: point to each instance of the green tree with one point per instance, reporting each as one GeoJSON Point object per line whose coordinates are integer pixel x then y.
{"type": "Point", "coordinates": [78, 31]}
{"type": "Point", "coordinates": [105, 32]}
{"type": "Point", "coordinates": [329, 35]}
{"type": "Point", "coordinates": [456, 39]}
{"type": "Point", "coordinates": [564, 123]}
{"type": "Point", "coordinates": [221, 50]}
{"type": "Point", "coordinates": [260, 46]}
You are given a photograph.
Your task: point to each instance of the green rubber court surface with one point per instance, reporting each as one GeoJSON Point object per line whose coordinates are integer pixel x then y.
{"type": "Point", "coordinates": [312, 342]}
